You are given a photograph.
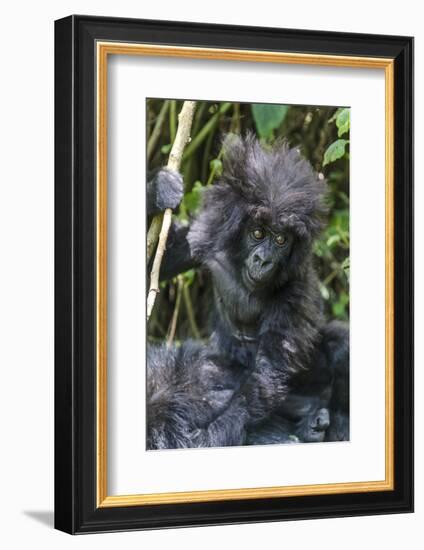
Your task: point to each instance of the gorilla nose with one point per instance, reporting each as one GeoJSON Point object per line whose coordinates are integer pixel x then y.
{"type": "Point", "coordinates": [261, 261]}
{"type": "Point", "coordinates": [323, 419]}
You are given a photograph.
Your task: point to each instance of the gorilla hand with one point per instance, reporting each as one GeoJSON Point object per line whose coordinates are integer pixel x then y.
{"type": "Point", "coordinates": [164, 190]}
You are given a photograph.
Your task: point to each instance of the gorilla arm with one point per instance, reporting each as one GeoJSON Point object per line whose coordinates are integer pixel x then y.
{"type": "Point", "coordinates": [165, 190]}
{"type": "Point", "coordinates": [178, 257]}
{"type": "Point", "coordinates": [288, 336]}
{"type": "Point", "coordinates": [226, 430]}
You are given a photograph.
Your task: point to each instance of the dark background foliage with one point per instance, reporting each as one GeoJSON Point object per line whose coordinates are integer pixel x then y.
{"type": "Point", "coordinates": [321, 133]}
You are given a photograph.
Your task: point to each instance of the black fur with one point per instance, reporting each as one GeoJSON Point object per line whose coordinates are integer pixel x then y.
{"type": "Point", "coordinates": [268, 310]}
{"type": "Point", "coordinates": [304, 415]}
{"type": "Point", "coordinates": [275, 430]}
{"type": "Point", "coordinates": [316, 408]}
{"type": "Point", "coordinates": [267, 299]}
{"type": "Point", "coordinates": [336, 347]}
{"type": "Point", "coordinates": [165, 190]}
{"type": "Point", "coordinates": [191, 398]}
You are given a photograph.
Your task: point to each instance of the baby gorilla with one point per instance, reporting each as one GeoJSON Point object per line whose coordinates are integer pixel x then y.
{"type": "Point", "coordinates": [304, 415]}
{"type": "Point", "coordinates": [191, 398]}
{"type": "Point", "coordinates": [317, 406]}
{"type": "Point", "coordinates": [254, 235]}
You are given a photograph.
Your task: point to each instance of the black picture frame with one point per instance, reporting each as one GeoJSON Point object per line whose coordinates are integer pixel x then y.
{"type": "Point", "coordinates": [76, 509]}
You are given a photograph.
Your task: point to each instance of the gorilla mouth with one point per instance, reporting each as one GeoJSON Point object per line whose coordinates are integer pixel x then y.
{"type": "Point", "coordinates": [317, 429]}
{"type": "Point", "coordinates": [317, 433]}
{"type": "Point", "coordinates": [255, 280]}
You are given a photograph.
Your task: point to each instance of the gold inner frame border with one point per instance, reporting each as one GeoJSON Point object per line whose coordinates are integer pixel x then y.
{"type": "Point", "coordinates": [103, 50]}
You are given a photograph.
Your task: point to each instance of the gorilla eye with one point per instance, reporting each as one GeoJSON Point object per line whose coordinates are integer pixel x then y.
{"type": "Point", "coordinates": [258, 234]}
{"type": "Point", "coordinates": [218, 387]}
{"type": "Point", "coordinates": [280, 240]}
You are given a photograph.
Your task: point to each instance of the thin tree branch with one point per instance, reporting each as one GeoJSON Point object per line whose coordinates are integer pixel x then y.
{"type": "Point", "coordinates": [206, 154]}
{"type": "Point", "coordinates": [185, 119]}
{"type": "Point", "coordinates": [190, 312]}
{"type": "Point", "coordinates": [151, 144]}
{"type": "Point", "coordinates": [172, 120]}
{"type": "Point", "coordinates": [173, 325]}
{"type": "Point", "coordinates": [153, 235]}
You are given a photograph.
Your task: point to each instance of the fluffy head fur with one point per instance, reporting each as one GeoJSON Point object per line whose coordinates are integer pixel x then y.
{"type": "Point", "coordinates": [275, 186]}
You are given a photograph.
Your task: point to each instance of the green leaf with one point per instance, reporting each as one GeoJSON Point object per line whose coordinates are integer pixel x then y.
{"type": "Point", "coordinates": [268, 117]}
{"type": "Point", "coordinates": [346, 267]}
{"type": "Point", "coordinates": [165, 149]}
{"type": "Point", "coordinates": [335, 151]}
{"type": "Point", "coordinates": [340, 307]}
{"type": "Point", "coordinates": [346, 263]}
{"type": "Point", "coordinates": [189, 277]}
{"type": "Point", "coordinates": [343, 121]}
{"type": "Point", "coordinates": [216, 167]}
{"type": "Point", "coordinates": [192, 200]}
{"type": "Point", "coordinates": [336, 114]}
{"type": "Point", "coordinates": [333, 239]}
{"type": "Point", "coordinates": [343, 197]}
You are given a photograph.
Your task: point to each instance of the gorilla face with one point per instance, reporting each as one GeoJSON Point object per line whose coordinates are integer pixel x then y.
{"type": "Point", "coordinates": [312, 426]}
{"type": "Point", "coordinates": [267, 251]}
{"type": "Point", "coordinates": [309, 411]}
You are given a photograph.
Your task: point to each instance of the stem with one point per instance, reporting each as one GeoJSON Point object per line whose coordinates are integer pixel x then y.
{"type": "Point", "coordinates": [206, 155]}
{"type": "Point", "coordinates": [197, 141]}
{"type": "Point", "coordinates": [189, 164]}
{"type": "Point", "coordinates": [173, 325]}
{"type": "Point", "coordinates": [211, 176]}
{"type": "Point", "coordinates": [235, 120]}
{"type": "Point", "coordinates": [190, 312]}
{"type": "Point", "coordinates": [152, 235]}
{"type": "Point", "coordinates": [172, 120]}
{"type": "Point", "coordinates": [157, 129]}
{"type": "Point", "coordinates": [198, 118]}
{"type": "Point", "coordinates": [212, 172]}
{"type": "Point", "coordinates": [331, 276]}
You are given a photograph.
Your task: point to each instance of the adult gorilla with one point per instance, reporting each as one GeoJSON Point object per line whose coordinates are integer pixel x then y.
{"type": "Point", "coordinates": [254, 234]}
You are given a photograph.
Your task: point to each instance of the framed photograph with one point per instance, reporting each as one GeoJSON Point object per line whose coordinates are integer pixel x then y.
{"type": "Point", "coordinates": [234, 274]}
